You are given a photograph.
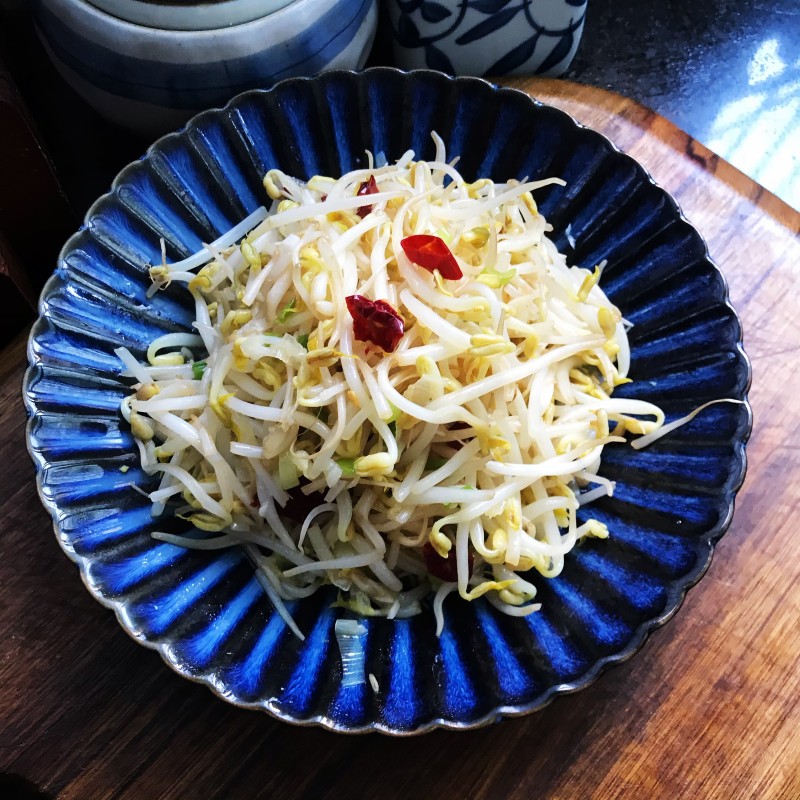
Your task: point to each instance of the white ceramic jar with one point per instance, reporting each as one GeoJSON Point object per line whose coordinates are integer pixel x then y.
{"type": "Point", "coordinates": [201, 16]}
{"type": "Point", "coordinates": [487, 37]}
{"type": "Point", "coordinates": [153, 79]}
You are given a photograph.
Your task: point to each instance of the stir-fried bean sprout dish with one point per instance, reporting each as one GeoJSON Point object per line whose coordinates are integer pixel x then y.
{"type": "Point", "coordinates": [397, 387]}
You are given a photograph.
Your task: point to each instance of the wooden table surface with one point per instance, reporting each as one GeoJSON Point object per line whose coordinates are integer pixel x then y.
{"type": "Point", "coordinates": [710, 708]}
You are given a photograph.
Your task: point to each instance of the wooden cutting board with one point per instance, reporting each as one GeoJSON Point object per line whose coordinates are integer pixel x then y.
{"type": "Point", "coordinates": [710, 708]}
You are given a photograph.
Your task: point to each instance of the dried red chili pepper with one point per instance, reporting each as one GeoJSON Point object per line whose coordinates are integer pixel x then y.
{"type": "Point", "coordinates": [375, 321]}
{"type": "Point", "coordinates": [445, 569]}
{"type": "Point", "coordinates": [367, 187]}
{"type": "Point", "coordinates": [432, 253]}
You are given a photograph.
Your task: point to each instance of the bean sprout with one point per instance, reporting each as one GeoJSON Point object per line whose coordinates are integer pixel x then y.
{"type": "Point", "coordinates": [454, 463]}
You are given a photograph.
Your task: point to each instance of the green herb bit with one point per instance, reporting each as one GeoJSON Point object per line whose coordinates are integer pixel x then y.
{"type": "Point", "coordinates": [287, 311]}
{"type": "Point", "coordinates": [302, 338]}
{"type": "Point", "coordinates": [495, 279]}
{"type": "Point", "coordinates": [198, 368]}
{"type": "Point", "coordinates": [288, 473]}
{"type": "Point", "coordinates": [348, 467]}
{"type": "Point", "coordinates": [444, 235]}
{"type": "Point", "coordinates": [434, 462]}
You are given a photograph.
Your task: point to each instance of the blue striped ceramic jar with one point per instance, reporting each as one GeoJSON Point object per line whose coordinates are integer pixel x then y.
{"type": "Point", "coordinates": [194, 15]}
{"type": "Point", "coordinates": [151, 80]}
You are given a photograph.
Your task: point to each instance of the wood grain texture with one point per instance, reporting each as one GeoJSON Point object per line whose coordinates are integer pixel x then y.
{"type": "Point", "coordinates": [710, 708]}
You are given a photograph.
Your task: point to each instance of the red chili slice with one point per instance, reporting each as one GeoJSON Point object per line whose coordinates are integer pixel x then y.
{"type": "Point", "coordinates": [443, 568]}
{"type": "Point", "coordinates": [432, 253]}
{"type": "Point", "coordinates": [375, 321]}
{"type": "Point", "coordinates": [367, 187]}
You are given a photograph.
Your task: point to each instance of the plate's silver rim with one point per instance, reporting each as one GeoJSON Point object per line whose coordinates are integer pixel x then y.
{"type": "Point", "coordinates": [675, 597]}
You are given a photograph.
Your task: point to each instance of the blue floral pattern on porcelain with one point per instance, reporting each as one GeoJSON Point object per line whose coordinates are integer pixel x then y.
{"type": "Point", "coordinates": [487, 37]}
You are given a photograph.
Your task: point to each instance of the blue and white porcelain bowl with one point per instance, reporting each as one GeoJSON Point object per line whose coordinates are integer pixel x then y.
{"type": "Point", "coordinates": [152, 80]}
{"type": "Point", "coordinates": [487, 37]}
{"type": "Point", "coordinates": [205, 612]}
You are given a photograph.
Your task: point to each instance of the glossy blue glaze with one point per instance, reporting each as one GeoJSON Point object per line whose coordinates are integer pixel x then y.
{"type": "Point", "coordinates": [244, 679]}
{"type": "Point", "coordinates": [643, 591]}
{"type": "Point", "coordinates": [84, 395]}
{"type": "Point", "coordinates": [597, 628]}
{"type": "Point", "coordinates": [459, 691]}
{"type": "Point", "coordinates": [510, 674]}
{"type": "Point", "coordinates": [305, 679]}
{"type": "Point", "coordinates": [155, 614]}
{"type": "Point", "coordinates": [350, 704]}
{"type": "Point", "coordinates": [88, 531]}
{"type": "Point", "coordinates": [201, 648]}
{"type": "Point", "coordinates": [62, 436]}
{"type": "Point", "coordinates": [402, 705]}
{"type": "Point", "coordinates": [204, 611]}
{"type": "Point", "coordinates": [70, 483]}
{"type": "Point", "coordinates": [562, 659]}
{"type": "Point", "coordinates": [121, 574]}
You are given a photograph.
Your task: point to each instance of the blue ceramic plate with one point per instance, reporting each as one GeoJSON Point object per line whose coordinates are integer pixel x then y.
{"type": "Point", "coordinates": [204, 612]}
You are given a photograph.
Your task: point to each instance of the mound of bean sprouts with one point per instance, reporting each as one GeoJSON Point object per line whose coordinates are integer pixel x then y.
{"type": "Point", "coordinates": [455, 460]}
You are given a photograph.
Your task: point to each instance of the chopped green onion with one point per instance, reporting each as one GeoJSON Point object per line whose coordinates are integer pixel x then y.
{"type": "Point", "coordinates": [303, 339]}
{"type": "Point", "coordinates": [288, 473]}
{"type": "Point", "coordinates": [287, 311]}
{"type": "Point", "coordinates": [198, 368]}
{"type": "Point", "coordinates": [348, 467]}
{"type": "Point", "coordinates": [495, 279]}
{"type": "Point", "coordinates": [434, 462]}
{"type": "Point", "coordinates": [444, 235]}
